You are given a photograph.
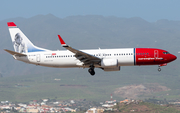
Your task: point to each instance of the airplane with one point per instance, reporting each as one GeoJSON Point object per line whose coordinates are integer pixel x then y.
{"type": "Point", "coordinates": [105, 59]}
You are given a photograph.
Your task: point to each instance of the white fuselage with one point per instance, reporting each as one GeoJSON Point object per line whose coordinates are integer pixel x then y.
{"type": "Point", "coordinates": [65, 59]}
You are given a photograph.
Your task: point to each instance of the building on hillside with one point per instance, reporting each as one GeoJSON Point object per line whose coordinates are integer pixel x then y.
{"type": "Point", "coordinates": [32, 110]}
{"type": "Point", "coordinates": [95, 110]}
{"type": "Point", "coordinates": [125, 101]}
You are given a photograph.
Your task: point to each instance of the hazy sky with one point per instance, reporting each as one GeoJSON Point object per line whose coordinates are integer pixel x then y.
{"type": "Point", "coordinates": [150, 10]}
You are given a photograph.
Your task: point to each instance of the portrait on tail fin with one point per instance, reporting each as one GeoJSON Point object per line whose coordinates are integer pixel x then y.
{"type": "Point", "coordinates": [19, 44]}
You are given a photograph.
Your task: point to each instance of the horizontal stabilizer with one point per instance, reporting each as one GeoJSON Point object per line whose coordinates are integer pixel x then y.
{"type": "Point", "coordinates": [15, 53]}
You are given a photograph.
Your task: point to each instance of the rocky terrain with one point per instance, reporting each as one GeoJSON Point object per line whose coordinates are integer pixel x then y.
{"type": "Point", "coordinates": [134, 91]}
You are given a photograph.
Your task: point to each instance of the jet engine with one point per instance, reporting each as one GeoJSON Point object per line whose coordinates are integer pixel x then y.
{"type": "Point", "coordinates": [109, 63]}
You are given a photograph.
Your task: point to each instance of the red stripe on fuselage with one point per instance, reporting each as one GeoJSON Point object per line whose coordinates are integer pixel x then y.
{"type": "Point", "coordinates": [151, 56]}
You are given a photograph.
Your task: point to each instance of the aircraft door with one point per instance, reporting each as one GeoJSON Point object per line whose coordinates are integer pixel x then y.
{"type": "Point", "coordinates": [156, 55]}
{"type": "Point", "coordinates": [38, 58]}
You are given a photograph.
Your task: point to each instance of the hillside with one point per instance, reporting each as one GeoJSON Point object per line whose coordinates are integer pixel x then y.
{"type": "Point", "coordinates": [144, 107]}
{"type": "Point", "coordinates": [135, 91]}
{"type": "Point", "coordinates": [63, 86]}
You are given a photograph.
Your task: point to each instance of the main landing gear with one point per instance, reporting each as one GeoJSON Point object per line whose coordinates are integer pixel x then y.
{"type": "Point", "coordinates": [91, 70]}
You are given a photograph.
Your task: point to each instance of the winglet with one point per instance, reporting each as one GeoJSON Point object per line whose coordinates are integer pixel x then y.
{"type": "Point", "coordinates": [62, 41]}
{"type": "Point", "coordinates": [11, 24]}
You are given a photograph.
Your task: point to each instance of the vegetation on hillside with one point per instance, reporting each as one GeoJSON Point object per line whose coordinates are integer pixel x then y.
{"type": "Point", "coordinates": [145, 107]}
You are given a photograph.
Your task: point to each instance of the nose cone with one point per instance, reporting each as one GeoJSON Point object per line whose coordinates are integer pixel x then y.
{"type": "Point", "coordinates": [173, 57]}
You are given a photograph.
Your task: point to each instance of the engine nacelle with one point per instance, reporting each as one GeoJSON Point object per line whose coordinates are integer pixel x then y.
{"type": "Point", "coordinates": [109, 63]}
{"type": "Point", "coordinates": [112, 69]}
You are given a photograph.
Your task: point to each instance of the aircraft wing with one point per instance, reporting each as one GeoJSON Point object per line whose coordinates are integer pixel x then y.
{"type": "Point", "coordinates": [86, 58]}
{"type": "Point", "coordinates": [14, 53]}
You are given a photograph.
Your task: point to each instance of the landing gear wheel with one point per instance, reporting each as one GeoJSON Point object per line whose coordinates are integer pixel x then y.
{"type": "Point", "coordinates": [159, 69]}
{"type": "Point", "coordinates": [91, 71]}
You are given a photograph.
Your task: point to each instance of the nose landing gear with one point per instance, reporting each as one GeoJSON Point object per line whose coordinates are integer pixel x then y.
{"type": "Point", "coordinates": [159, 69]}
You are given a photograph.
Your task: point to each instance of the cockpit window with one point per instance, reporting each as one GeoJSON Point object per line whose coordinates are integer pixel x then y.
{"type": "Point", "coordinates": [166, 52]}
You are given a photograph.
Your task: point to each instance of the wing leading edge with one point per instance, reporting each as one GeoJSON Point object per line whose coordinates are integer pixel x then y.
{"type": "Point", "coordinates": [86, 58]}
